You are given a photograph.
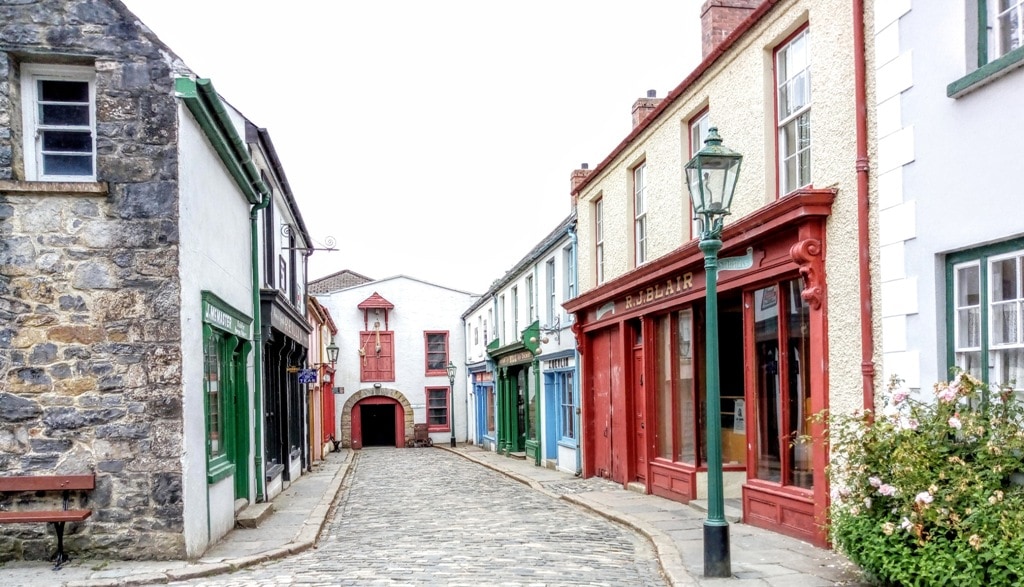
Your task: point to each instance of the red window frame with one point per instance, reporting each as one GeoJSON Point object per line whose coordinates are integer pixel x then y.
{"type": "Point", "coordinates": [443, 370]}
{"type": "Point", "coordinates": [432, 393]}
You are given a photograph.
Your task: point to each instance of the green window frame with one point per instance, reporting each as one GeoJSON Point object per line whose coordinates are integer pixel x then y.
{"type": "Point", "coordinates": [984, 311]}
{"type": "Point", "coordinates": [997, 53]}
{"type": "Point", "coordinates": [226, 347]}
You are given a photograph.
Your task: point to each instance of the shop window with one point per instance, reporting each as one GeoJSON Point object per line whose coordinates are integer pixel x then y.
{"type": "Point", "coordinates": [490, 411]}
{"type": "Point", "coordinates": [986, 310]}
{"type": "Point", "coordinates": [436, 353]}
{"type": "Point", "coordinates": [437, 409]}
{"type": "Point", "coordinates": [781, 334]}
{"type": "Point", "coordinates": [59, 122]}
{"type": "Point", "coordinates": [680, 430]}
{"type": "Point", "coordinates": [567, 406]}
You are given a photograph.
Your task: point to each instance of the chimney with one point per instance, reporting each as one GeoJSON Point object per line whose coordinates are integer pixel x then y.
{"type": "Point", "coordinates": [643, 106]}
{"type": "Point", "coordinates": [719, 18]}
{"type": "Point", "coordinates": [578, 177]}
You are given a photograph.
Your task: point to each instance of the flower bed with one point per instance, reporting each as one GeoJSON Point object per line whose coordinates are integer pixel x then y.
{"type": "Point", "coordinates": [928, 492]}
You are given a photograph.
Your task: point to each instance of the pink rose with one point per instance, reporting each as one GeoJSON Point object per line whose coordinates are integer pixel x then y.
{"type": "Point", "coordinates": [887, 490]}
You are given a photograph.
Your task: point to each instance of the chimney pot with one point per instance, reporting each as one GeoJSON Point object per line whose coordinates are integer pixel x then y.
{"type": "Point", "coordinates": [584, 166]}
{"type": "Point", "coordinates": [652, 93]}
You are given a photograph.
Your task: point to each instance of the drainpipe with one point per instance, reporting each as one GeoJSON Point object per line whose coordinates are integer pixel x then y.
{"type": "Point", "coordinates": [863, 208]}
{"type": "Point", "coordinates": [576, 395]}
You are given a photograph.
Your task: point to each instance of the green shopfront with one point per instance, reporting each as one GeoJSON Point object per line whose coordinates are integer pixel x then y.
{"type": "Point", "coordinates": [226, 347]}
{"type": "Point", "coordinates": [518, 391]}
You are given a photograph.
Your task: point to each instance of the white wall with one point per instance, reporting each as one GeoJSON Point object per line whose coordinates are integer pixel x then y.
{"type": "Point", "coordinates": [948, 172]}
{"type": "Point", "coordinates": [215, 256]}
{"type": "Point", "coordinates": [419, 307]}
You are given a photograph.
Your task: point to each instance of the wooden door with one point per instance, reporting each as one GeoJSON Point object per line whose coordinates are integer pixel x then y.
{"type": "Point", "coordinates": [639, 415]}
{"type": "Point", "coordinates": [601, 404]}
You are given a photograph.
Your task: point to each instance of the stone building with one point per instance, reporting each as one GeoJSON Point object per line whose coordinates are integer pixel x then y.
{"type": "Point", "coordinates": [129, 284]}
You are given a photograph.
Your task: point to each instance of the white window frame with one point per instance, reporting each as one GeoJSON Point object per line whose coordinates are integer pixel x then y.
{"type": "Point", "coordinates": [793, 79]}
{"type": "Point", "coordinates": [31, 73]}
{"type": "Point", "coordinates": [997, 26]}
{"type": "Point", "coordinates": [549, 272]}
{"type": "Point", "coordinates": [569, 266]}
{"type": "Point", "coordinates": [699, 127]}
{"type": "Point", "coordinates": [515, 310]}
{"type": "Point", "coordinates": [531, 307]}
{"type": "Point", "coordinates": [640, 214]}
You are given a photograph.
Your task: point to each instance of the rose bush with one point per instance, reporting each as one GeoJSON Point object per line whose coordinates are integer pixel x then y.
{"type": "Point", "coordinates": [928, 491]}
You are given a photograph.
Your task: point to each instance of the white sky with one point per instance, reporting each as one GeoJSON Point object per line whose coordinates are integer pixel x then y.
{"type": "Point", "coordinates": [433, 138]}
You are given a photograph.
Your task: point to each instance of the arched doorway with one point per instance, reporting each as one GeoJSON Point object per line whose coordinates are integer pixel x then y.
{"type": "Point", "coordinates": [378, 421]}
{"type": "Point", "coordinates": [376, 417]}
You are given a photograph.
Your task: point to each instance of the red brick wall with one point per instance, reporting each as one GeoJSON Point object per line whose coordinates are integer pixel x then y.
{"type": "Point", "coordinates": [719, 18]}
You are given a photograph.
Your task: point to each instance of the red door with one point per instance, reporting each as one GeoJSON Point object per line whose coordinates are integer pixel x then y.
{"type": "Point", "coordinates": [639, 423]}
{"type": "Point", "coordinates": [601, 404]}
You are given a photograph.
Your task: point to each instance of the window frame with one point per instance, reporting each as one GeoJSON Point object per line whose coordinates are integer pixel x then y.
{"type": "Point", "coordinates": [569, 274]}
{"type": "Point", "coordinates": [32, 128]}
{"type": "Point", "coordinates": [515, 311]}
{"type": "Point", "coordinates": [564, 383]}
{"type": "Point", "coordinates": [640, 214]}
{"type": "Point", "coordinates": [793, 119]}
{"type": "Point", "coordinates": [531, 306]}
{"type": "Point", "coordinates": [427, 334]}
{"type": "Point", "coordinates": [698, 128]}
{"type": "Point", "coordinates": [599, 239]}
{"type": "Point", "coordinates": [446, 392]}
{"type": "Point", "coordinates": [549, 276]}
{"type": "Point", "coordinates": [983, 258]}
{"type": "Point", "coordinates": [988, 67]}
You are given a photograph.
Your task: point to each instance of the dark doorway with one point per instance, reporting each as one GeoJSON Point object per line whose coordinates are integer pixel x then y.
{"type": "Point", "coordinates": [378, 424]}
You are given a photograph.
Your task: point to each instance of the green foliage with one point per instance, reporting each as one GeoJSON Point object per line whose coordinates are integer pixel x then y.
{"type": "Point", "coordinates": [928, 491]}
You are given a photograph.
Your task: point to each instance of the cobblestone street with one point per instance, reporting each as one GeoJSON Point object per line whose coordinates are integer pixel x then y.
{"type": "Point", "coordinates": [429, 517]}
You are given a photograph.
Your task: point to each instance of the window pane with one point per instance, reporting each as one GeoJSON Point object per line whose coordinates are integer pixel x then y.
{"type": "Point", "coordinates": [970, 362]}
{"type": "Point", "coordinates": [64, 115]}
{"type": "Point", "coordinates": [687, 432]}
{"type": "Point", "coordinates": [766, 365]}
{"type": "Point", "coordinates": [663, 392]}
{"type": "Point", "coordinates": [1004, 280]}
{"type": "Point", "coordinates": [968, 328]}
{"type": "Point", "coordinates": [63, 91]}
{"type": "Point", "coordinates": [1004, 323]}
{"type": "Point", "coordinates": [65, 140]}
{"type": "Point", "coordinates": [1007, 367]}
{"type": "Point", "coordinates": [213, 391]}
{"type": "Point", "coordinates": [67, 164]}
{"type": "Point", "coordinates": [968, 285]}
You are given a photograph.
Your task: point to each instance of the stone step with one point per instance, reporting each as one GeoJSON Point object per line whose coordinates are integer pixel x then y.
{"type": "Point", "coordinates": [253, 515]}
{"type": "Point", "coordinates": [518, 455]}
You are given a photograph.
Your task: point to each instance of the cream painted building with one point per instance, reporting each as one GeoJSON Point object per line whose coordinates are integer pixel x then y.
{"type": "Point", "coordinates": [796, 330]}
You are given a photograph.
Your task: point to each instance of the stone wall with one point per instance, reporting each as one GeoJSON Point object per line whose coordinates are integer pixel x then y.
{"type": "Point", "coordinates": [90, 355]}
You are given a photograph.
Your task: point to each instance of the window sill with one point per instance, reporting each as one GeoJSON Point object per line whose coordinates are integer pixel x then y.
{"type": "Point", "coordinates": [219, 469]}
{"type": "Point", "coordinates": [53, 188]}
{"type": "Point", "coordinates": [987, 73]}
{"type": "Point", "coordinates": [567, 443]}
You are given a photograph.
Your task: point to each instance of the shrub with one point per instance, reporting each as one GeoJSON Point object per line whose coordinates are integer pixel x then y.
{"type": "Point", "coordinates": [928, 492]}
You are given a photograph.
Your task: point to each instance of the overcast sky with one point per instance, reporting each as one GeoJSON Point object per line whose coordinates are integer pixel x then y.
{"type": "Point", "coordinates": [433, 138]}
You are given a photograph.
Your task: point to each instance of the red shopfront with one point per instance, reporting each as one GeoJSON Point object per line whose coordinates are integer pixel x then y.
{"type": "Point", "coordinates": [642, 340]}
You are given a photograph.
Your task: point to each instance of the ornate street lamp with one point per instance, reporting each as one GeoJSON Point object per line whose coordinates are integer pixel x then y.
{"type": "Point", "coordinates": [451, 402]}
{"type": "Point", "coordinates": [332, 352]}
{"type": "Point", "coordinates": [711, 178]}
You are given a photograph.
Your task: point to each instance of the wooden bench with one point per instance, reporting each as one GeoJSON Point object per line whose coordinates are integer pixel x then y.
{"type": "Point", "coordinates": [64, 483]}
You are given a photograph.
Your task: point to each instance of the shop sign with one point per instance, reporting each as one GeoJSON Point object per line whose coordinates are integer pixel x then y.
{"type": "Point", "coordinates": [671, 287]}
{"type": "Point", "coordinates": [515, 358]}
{"type": "Point", "coordinates": [221, 319]}
{"type": "Point", "coordinates": [483, 377]}
{"type": "Point", "coordinates": [307, 376]}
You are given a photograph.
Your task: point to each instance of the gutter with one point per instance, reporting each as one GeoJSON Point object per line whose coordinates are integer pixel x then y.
{"type": "Point", "coordinates": [867, 345]}
{"type": "Point", "coordinates": [202, 100]}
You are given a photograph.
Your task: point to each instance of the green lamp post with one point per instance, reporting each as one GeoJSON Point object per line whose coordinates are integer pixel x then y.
{"type": "Point", "coordinates": [711, 179]}
{"type": "Point", "coordinates": [451, 404]}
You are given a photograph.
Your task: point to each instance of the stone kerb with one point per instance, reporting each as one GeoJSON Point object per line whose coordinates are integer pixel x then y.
{"type": "Point", "coordinates": [346, 413]}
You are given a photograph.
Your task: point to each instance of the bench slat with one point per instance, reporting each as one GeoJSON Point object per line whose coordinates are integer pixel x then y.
{"type": "Point", "coordinates": [47, 482]}
{"type": "Point", "coordinates": [44, 516]}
